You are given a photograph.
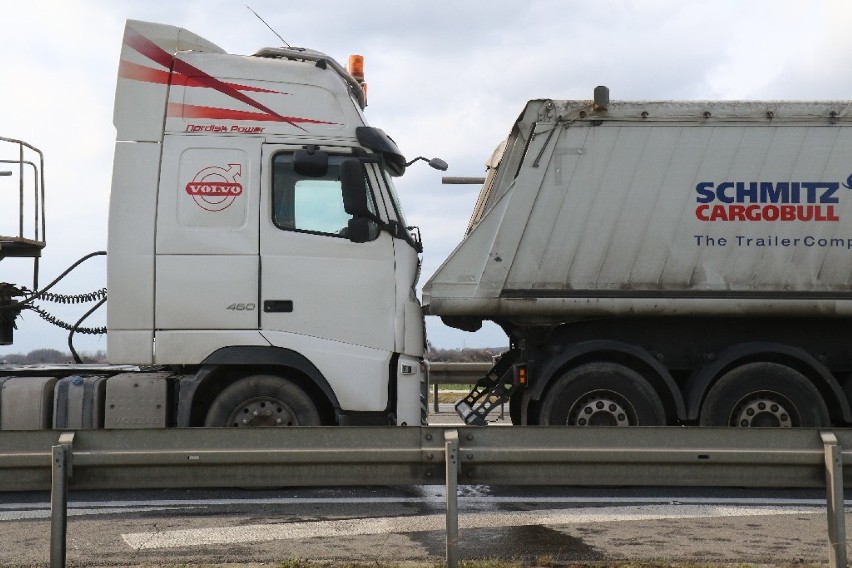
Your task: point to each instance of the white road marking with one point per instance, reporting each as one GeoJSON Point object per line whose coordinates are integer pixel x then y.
{"type": "Point", "coordinates": [40, 513]}
{"type": "Point", "coordinates": [94, 507]}
{"type": "Point", "coordinates": [388, 525]}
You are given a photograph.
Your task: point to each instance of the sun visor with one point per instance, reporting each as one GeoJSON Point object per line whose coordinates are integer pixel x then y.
{"type": "Point", "coordinates": [376, 140]}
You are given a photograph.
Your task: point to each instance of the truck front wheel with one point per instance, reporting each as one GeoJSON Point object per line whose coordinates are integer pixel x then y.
{"type": "Point", "coordinates": [764, 395]}
{"type": "Point", "coordinates": [262, 400]}
{"type": "Point", "coordinates": [602, 394]}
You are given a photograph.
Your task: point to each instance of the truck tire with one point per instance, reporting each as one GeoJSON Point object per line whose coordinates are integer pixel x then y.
{"type": "Point", "coordinates": [764, 395]}
{"type": "Point", "coordinates": [602, 394]}
{"type": "Point", "coordinates": [262, 400]}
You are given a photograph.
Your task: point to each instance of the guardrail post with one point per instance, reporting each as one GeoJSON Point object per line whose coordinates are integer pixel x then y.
{"type": "Point", "coordinates": [834, 500]}
{"type": "Point", "coordinates": [60, 472]}
{"type": "Point", "coordinates": [437, 409]}
{"type": "Point", "coordinates": [451, 439]}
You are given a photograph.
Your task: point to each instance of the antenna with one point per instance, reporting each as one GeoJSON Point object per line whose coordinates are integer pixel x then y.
{"type": "Point", "coordinates": [268, 26]}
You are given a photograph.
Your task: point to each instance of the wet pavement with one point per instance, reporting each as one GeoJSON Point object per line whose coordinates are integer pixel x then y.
{"type": "Point", "coordinates": [407, 524]}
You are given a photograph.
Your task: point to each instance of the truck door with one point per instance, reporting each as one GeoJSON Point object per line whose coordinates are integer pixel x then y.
{"type": "Point", "coordinates": [207, 241]}
{"type": "Point", "coordinates": [315, 282]}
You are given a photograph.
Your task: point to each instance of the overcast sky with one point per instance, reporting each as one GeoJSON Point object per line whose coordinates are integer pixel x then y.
{"type": "Point", "coordinates": [445, 79]}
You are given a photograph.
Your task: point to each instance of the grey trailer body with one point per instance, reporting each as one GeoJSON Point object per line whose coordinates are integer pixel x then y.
{"type": "Point", "coordinates": [670, 233]}
{"type": "Point", "coordinates": [700, 208]}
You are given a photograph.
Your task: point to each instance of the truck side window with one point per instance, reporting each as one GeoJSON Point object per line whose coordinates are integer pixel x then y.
{"type": "Point", "coordinates": [311, 204]}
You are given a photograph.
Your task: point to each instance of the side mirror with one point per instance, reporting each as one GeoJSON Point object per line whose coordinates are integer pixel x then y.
{"type": "Point", "coordinates": [354, 189]}
{"type": "Point", "coordinates": [358, 230]}
{"type": "Point", "coordinates": [310, 162]}
{"type": "Point", "coordinates": [436, 163]}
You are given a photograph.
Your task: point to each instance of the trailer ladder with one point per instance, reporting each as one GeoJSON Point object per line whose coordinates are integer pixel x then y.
{"type": "Point", "coordinates": [489, 392]}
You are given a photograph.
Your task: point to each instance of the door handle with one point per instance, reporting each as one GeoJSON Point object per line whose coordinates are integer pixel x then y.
{"type": "Point", "coordinates": [277, 306]}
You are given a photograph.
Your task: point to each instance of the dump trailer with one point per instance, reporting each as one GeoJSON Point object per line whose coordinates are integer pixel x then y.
{"type": "Point", "coordinates": [651, 262]}
{"type": "Point", "coordinates": [259, 268]}
{"type": "Point", "coordinates": [662, 263]}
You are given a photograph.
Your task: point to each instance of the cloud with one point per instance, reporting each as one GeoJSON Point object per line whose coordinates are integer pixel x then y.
{"type": "Point", "coordinates": [446, 79]}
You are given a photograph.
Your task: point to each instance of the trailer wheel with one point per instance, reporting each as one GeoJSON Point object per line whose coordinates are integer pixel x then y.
{"type": "Point", "coordinates": [602, 394]}
{"type": "Point", "coordinates": [262, 400]}
{"type": "Point", "coordinates": [764, 395]}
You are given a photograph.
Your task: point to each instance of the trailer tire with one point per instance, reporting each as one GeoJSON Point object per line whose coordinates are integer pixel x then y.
{"type": "Point", "coordinates": [602, 394]}
{"type": "Point", "coordinates": [262, 400]}
{"type": "Point", "coordinates": [516, 407]}
{"type": "Point", "coordinates": [764, 394]}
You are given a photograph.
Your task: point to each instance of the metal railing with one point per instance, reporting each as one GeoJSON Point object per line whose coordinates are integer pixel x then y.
{"type": "Point", "coordinates": [24, 163]}
{"type": "Point", "coordinates": [185, 458]}
{"type": "Point", "coordinates": [445, 373]}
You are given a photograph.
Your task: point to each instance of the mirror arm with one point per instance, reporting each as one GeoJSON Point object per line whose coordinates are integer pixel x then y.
{"type": "Point", "coordinates": [398, 230]}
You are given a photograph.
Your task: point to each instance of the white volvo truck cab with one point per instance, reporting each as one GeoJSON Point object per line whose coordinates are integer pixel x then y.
{"type": "Point", "coordinates": [256, 244]}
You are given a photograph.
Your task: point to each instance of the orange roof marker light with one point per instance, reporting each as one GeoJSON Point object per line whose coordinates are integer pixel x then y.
{"type": "Point", "coordinates": [356, 69]}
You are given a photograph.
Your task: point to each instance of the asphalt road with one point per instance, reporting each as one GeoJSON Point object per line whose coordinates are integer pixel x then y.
{"type": "Point", "coordinates": [130, 528]}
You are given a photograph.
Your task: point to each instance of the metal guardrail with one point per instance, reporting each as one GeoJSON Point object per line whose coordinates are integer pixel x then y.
{"type": "Point", "coordinates": [445, 373]}
{"type": "Point", "coordinates": [182, 458]}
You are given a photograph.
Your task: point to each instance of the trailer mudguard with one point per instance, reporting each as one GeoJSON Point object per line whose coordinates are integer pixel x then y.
{"type": "Point", "coordinates": [659, 377]}
{"type": "Point", "coordinates": [703, 378]}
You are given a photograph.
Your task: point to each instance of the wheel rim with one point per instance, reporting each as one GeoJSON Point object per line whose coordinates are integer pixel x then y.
{"type": "Point", "coordinates": [262, 412]}
{"type": "Point", "coordinates": [764, 409]}
{"type": "Point", "coordinates": [602, 408]}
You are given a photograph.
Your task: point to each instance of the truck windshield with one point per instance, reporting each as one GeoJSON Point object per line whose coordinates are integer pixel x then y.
{"type": "Point", "coordinates": [312, 204]}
